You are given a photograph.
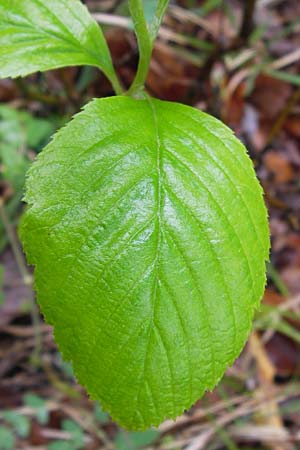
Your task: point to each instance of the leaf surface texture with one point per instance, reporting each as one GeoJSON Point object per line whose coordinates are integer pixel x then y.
{"type": "Point", "coordinates": [149, 235]}
{"type": "Point", "coordinates": [38, 35]}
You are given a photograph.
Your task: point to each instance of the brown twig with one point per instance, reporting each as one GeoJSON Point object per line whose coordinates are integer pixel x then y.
{"type": "Point", "coordinates": [248, 19]}
{"type": "Point", "coordinates": [27, 281]}
{"type": "Point", "coordinates": [279, 123]}
{"type": "Point", "coordinates": [269, 414]}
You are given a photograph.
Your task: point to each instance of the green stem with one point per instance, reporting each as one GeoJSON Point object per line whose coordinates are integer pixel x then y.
{"type": "Point", "coordinates": [116, 84]}
{"type": "Point", "coordinates": [276, 278]}
{"type": "Point", "coordinates": [146, 36]}
{"type": "Point", "coordinates": [145, 45]}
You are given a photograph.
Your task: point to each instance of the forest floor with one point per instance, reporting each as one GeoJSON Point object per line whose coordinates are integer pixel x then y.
{"type": "Point", "coordinates": [243, 68]}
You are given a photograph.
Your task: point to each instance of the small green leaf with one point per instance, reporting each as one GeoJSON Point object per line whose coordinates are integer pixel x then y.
{"type": "Point", "coordinates": [100, 415]}
{"type": "Point", "coordinates": [149, 235]}
{"type": "Point", "coordinates": [149, 9]}
{"type": "Point", "coordinates": [77, 435]}
{"type": "Point", "coordinates": [39, 404]}
{"type": "Point", "coordinates": [34, 401]}
{"type": "Point", "coordinates": [38, 36]}
{"type": "Point", "coordinates": [154, 11]}
{"type": "Point", "coordinates": [18, 130]}
{"type": "Point", "coordinates": [7, 439]}
{"type": "Point", "coordinates": [20, 423]}
{"type": "Point", "coordinates": [60, 445]}
{"type": "Point", "coordinates": [284, 76]}
{"type": "Point", "coordinates": [135, 441]}
{"type": "Point", "coordinates": [66, 367]}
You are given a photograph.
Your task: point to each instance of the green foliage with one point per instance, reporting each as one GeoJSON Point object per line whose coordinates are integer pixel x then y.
{"type": "Point", "coordinates": [135, 440]}
{"type": "Point", "coordinates": [66, 367]}
{"type": "Point", "coordinates": [7, 439]}
{"type": "Point", "coordinates": [19, 131]}
{"type": "Point", "coordinates": [149, 236]}
{"type": "Point", "coordinates": [273, 318]}
{"type": "Point", "coordinates": [77, 435]}
{"type": "Point", "coordinates": [60, 445]}
{"type": "Point", "coordinates": [76, 441]}
{"type": "Point", "coordinates": [39, 405]}
{"type": "Point", "coordinates": [37, 36]}
{"type": "Point", "coordinates": [146, 225]}
{"type": "Point", "coordinates": [153, 12]}
{"type": "Point", "coordinates": [20, 423]}
{"type": "Point", "coordinates": [146, 28]}
{"type": "Point", "coordinates": [149, 9]}
{"type": "Point", "coordinates": [12, 147]}
{"type": "Point", "coordinates": [100, 415]}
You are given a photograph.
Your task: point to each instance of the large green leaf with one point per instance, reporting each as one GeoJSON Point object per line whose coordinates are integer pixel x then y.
{"type": "Point", "coordinates": [149, 235]}
{"type": "Point", "coordinates": [40, 35]}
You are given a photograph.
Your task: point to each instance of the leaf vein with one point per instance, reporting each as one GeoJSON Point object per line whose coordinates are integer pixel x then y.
{"type": "Point", "coordinates": [226, 173]}
{"type": "Point", "coordinates": [169, 233]}
{"type": "Point", "coordinates": [181, 321]}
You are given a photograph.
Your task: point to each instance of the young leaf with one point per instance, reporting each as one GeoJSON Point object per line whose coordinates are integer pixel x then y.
{"type": "Point", "coordinates": [149, 9]}
{"type": "Point", "coordinates": [135, 440]}
{"type": "Point", "coordinates": [154, 12]}
{"type": "Point", "coordinates": [149, 235]}
{"type": "Point", "coordinates": [99, 414]}
{"type": "Point", "coordinates": [60, 445]}
{"type": "Point", "coordinates": [77, 434]}
{"type": "Point", "coordinates": [7, 439]}
{"type": "Point", "coordinates": [39, 404]}
{"type": "Point", "coordinates": [20, 423]}
{"type": "Point", "coordinates": [35, 35]}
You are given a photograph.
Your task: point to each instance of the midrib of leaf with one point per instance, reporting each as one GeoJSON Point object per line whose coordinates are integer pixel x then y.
{"type": "Point", "coordinates": [111, 207]}
{"type": "Point", "coordinates": [152, 325]}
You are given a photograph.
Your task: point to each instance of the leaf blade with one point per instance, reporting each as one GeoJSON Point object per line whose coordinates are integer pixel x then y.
{"type": "Point", "coordinates": [34, 37]}
{"type": "Point", "coordinates": [142, 240]}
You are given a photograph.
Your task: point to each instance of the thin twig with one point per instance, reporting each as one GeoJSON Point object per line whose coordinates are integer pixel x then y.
{"type": "Point", "coordinates": [248, 19]}
{"type": "Point", "coordinates": [279, 123]}
{"type": "Point", "coordinates": [27, 281]}
{"type": "Point", "coordinates": [113, 20]}
{"type": "Point", "coordinates": [19, 257]}
{"type": "Point", "coordinates": [268, 415]}
{"type": "Point", "coordinates": [286, 60]}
